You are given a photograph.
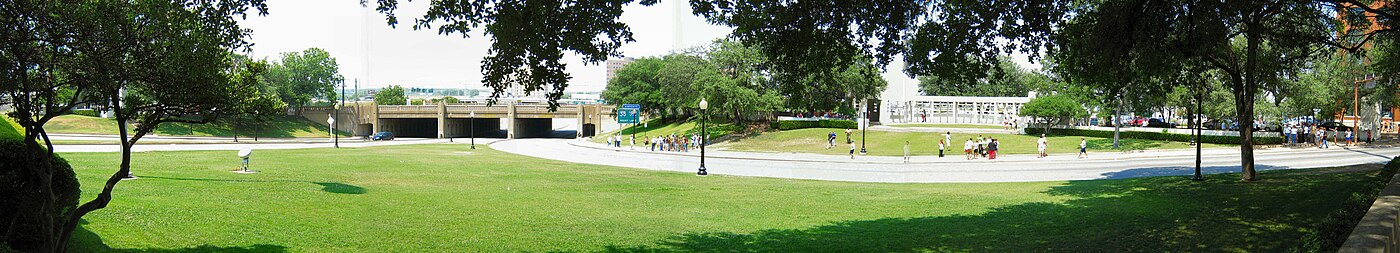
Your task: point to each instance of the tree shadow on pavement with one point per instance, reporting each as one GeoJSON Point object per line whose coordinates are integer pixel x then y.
{"type": "Point", "coordinates": [1129, 215]}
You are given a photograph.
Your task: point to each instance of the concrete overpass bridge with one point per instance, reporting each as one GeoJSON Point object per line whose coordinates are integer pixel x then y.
{"type": "Point", "coordinates": [516, 119]}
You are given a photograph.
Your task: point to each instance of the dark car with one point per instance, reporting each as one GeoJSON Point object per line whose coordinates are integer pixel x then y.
{"type": "Point", "coordinates": [1155, 122]}
{"type": "Point", "coordinates": [382, 136]}
{"type": "Point", "coordinates": [1335, 126]}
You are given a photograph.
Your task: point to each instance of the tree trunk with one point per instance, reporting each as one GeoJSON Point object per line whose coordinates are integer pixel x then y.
{"type": "Point", "coordinates": [105, 196]}
{"type": "Point", "coordinates": [1118, 125]}
{"type": "Point", "coordinates": [1244, 100]}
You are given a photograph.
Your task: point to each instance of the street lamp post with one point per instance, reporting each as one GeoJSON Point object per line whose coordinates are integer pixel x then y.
{"type": "Point", "coordinates": [865, 117]}
{"type": "Point", "coordinates": [472, 125]}
{"type": "Point", "coordinates": [332, 121]}
{"type": "Point", "coordinates": [703, 136]}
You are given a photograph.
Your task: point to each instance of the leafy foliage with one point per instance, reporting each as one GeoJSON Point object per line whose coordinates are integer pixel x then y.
{"type": "Point", "coordinates": [1050, 109]}
{"type": "Point", "coordinates": [392, 95]}
{"type": "Point", "coordinates": [800, 124]}
{"type": "Point", "coordinates": [1006, 80]}
{"type": "Point", "coordinates": [302, 76]}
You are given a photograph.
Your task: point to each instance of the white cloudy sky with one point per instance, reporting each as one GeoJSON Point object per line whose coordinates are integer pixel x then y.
{"type": "Point", "coordinates": [368, 50]}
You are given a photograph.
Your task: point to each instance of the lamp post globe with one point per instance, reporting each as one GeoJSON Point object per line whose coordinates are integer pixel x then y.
{"type": "Point", "coordinates": [703, 137]}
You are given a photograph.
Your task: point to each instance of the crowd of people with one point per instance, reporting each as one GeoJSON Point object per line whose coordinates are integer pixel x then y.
{"type": "Point", "coordinates": [1295, 134]}
{"type": "Point", "coordinates": [669, 143]}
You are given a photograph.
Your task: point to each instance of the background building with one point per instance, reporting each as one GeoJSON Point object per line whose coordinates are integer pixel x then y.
{"type": "Point", "coordinates": [616, 64]}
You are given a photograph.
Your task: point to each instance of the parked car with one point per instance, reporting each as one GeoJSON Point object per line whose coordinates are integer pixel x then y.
{"type": "Point", "coordinates": [382, 136]}
{"type": "Point", "coordinates": [1334, 126]}
{"type": "Point", "coordinates": [1156, 122]}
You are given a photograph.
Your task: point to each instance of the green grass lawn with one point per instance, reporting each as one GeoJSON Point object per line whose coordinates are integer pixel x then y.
{"type": "Point", "coordinates": [882, 143]}
{"type": "Point", "coordinates": [9, 129]}
{"type": "Point", "coordinates": [447, 198]}
{"type": "Point", "coordinates": [972, 126]}
{"type": "Point", "coordinates": [278, 127]}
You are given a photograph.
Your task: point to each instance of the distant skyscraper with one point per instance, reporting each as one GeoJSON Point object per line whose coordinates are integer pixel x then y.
{"type": "Point", "coordinates": [617, 64]}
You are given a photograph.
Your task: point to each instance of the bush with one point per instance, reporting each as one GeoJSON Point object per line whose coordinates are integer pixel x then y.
{"type": "Point", "coordinates": [800, 124]}
{"type": "Point", "coordinates": [1334, 229]}
{"type": "Point", "coordinates": [18, 183]}
{"type": "Point", "coordinates": [1154, 136]}
{"type": "Point", "coordinates": [85, 112]}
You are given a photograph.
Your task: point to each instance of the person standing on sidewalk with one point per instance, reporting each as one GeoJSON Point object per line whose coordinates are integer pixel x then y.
{"type": "Point", "coordinates": [1041, 145]}
{"type": "Point", "coordinates": [967, 148]}
{"type": "Point", "coordinates": [1350, 138]}
{"type": "Point", "coordinates": [906, 151]}
{"type": "Point", "coordinates": [1083, 148]}
{"type": "Point", "coordinates": [992, 149]}
{"type": "Point", "coordinates": [1322, 138]}
{"type": "Point", "coordinates": [941, 146]}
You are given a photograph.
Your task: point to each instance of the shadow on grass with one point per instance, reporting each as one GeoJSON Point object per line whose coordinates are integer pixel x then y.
{"type": "Point", "coordinates": [86, 241]}
{"type": "Point", "coordinates": [331, 187]}
{"type": "Point", "coordinates": [1181, 171]}
{"type": "Point", "coordinates": [1161, 214]}
{"type": "Point", "coordinates": [276, 127]}
{"type": "Point", "coordinates": [341, 188]}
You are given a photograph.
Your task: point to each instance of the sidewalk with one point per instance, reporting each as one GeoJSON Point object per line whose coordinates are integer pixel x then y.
{"type": "Point", "coordinates": [951, 158]}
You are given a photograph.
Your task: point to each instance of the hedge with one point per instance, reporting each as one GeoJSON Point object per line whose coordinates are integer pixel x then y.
{"type": "Point", "coordinates": [800, 124]}
{"type": "Point", "coordinates": [1215, 139]}
{"type": "Point", "coordinates": [18, 185]}
{"type": "Point", "coordinates": [1334, 229]}
{"type": "Point", "coordinates": [85, 112]}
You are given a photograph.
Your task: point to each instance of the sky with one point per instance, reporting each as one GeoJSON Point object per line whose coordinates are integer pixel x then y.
{"type": "Point", "coordinates": [369, 51]}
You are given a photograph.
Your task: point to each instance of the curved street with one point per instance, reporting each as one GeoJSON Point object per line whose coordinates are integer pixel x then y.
{"type": "Point", "coordinates": [927, 169]}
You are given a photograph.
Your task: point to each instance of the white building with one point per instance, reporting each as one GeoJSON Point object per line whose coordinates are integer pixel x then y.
{"type": "Point", "coordinates": [902, 103]}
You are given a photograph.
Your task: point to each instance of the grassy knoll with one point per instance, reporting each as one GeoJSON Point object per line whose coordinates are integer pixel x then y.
{"type": "Point", "coordinates": [813, 140]}
{"type": "Point", "coordinates": [659, 128]}
{"type": "Point", "coordinates": [447, 198]}
{"type": "Point", "coordinates": [972, 126]}
{"type": "Point", "coordinates": [9, 129]}
{"type": "Point", "coordinates": [277, 127]}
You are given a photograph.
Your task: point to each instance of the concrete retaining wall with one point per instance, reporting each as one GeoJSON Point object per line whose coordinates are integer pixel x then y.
{"type": "Point", "coordinates": [1378, 230]}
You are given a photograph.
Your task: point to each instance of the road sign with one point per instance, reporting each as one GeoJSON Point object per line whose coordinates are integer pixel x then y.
{"type": "Point", "coordinates": [629, 114]}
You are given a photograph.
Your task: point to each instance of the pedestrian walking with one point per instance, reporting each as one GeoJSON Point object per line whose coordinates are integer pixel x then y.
{"type": "Point", "coordinates": [941, 145]}
{"type": "Point", "coordinates": [1350, 139]}
{"type": "Point", "coordinates": [906, 151]}
{"type": "Point", "coordinates": [992, 149]}
{"type": "Point", "coordinates": [1322, 137]}
{"type": "Point", "coordinates": [853, 149]}
{"type": "Point", "coordinates": [1041, 145]}
{"type": "Point", "coordinates": [967, 148]}
{"type": "Point", "coordinates": [830, 140]}
{"type": "Point", "coordinates": [1083, 148]}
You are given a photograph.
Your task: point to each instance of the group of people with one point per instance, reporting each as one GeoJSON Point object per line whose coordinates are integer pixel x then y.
{"type": "Point", "coordinates": [1316, 136]}
{"type": "Point", "coordinates": [831, 142]}
{"type": "Point", "coordinates": [673, 143]}
{"type": "Point", "coordinates": [979, 147]}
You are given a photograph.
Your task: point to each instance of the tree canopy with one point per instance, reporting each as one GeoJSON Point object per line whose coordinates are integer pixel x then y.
{"type": "Point", "coordinates": [303, 76]}
{"type": "Point", "coordinates": [1050, 109]}
{"type": "Point", "coordinates": [392, 95]}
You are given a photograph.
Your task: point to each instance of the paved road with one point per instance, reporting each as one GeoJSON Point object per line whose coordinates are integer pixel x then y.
{"type": "Point", "coordinates": [1008, 168]}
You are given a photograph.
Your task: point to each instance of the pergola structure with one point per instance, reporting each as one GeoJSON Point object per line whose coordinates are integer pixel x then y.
{"type": "Point", "coordinates": [951, 109]}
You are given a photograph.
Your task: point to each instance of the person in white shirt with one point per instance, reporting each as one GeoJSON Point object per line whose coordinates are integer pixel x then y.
{"type": "Point", "coordinates": [1041, 145]}
{"type": "Point", "coordinates": [906, 151]}
{"type": "Point", "coordinates": [1083, 148]}
{"type": "Point", "coordinates": [967, 148]}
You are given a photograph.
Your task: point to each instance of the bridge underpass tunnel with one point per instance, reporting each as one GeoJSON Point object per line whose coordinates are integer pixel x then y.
{"type": "Point", "coordinates": [537, 128]}
{"type": "Point", "coordinates": [485, 128]}
{"type": "Point", "coordinates": [419, 128]}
